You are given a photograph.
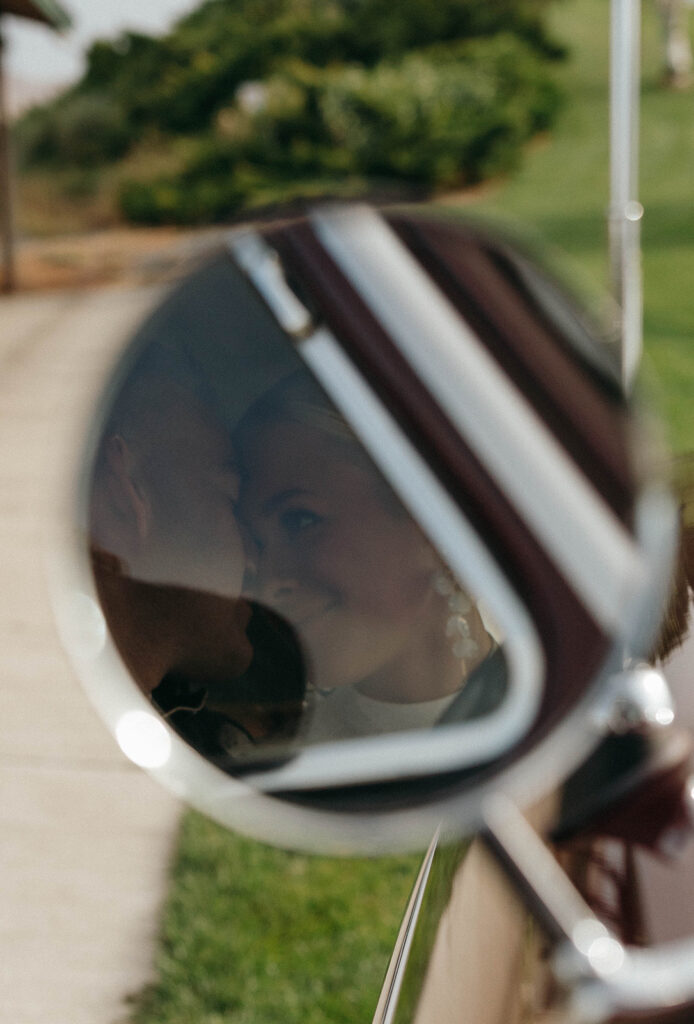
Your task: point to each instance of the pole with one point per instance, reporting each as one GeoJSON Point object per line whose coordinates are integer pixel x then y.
{"type": "Point", "coordinates": [7, 282]}
{"type": "Point", "coordinates": [625, 210]}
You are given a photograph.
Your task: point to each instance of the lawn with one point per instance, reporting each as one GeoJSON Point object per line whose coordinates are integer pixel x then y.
{"type": "Point", "coordinates": [257, 935]}
{"type": "Point", "coordinates": [561, 194]}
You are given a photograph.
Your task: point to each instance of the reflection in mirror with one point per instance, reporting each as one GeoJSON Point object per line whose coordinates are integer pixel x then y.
{"type": "Point", "coordinates": [359, 478]}
{"type": "Point", "coordinates": [392, 641]}
{"type": "Point", "coordinates": [365, 523]}
{"type": "Point", "coordinates": [262, 583]}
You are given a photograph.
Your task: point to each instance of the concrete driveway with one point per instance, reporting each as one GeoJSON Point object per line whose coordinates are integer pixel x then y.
{"type": "Point", "coordinates": [85, 838]}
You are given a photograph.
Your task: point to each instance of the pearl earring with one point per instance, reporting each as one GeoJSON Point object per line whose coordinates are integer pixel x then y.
{"type": "Point", "coordinates": [459, 604]}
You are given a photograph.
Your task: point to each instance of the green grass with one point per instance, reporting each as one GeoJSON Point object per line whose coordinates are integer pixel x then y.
{"type": "Point", "coordinates": [562, 190]}
{"type": "Point", "coordinates": [257, 935]}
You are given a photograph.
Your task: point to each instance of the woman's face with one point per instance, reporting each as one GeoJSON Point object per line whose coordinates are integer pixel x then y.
{"type": "Point", "coordinates": [333, 553]}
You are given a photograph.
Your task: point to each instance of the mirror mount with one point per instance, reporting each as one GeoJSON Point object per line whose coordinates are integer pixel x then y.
{"type": "Point", "coordinates": [595, 970]}
{"type": "Point", "coordinates": [640, 774]}
{"type": "Point", "coordinates": [634, 784]}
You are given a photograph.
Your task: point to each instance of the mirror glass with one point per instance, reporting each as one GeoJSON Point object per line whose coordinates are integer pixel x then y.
{"type": "Point", "coordinates": [320, 579]}
{"type": "Point", "coordinates": [261, 581]}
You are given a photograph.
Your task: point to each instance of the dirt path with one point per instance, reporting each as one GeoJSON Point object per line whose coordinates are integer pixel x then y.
{"type": "Point", "coordinates": [85, 837]}
{"type": "Point", "coordinates": [134, 256]}
{"type": "Point", "coordinates": [121, 256]}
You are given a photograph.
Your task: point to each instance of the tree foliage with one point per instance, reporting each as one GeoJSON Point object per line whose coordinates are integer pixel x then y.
{"type": "Point", "coordinates": [340, 91]}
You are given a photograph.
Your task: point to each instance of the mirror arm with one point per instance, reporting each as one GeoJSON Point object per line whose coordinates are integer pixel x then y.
{"type": "Point", "coordinates": [586, 952]}
{"type": "Point", "coordinates": [599, 975]}
{"type": "Point", "coordinates": [537, 877]}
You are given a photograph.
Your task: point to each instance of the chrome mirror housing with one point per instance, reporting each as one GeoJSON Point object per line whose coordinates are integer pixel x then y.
{"type": "Point", "coordinates": [364, 523]}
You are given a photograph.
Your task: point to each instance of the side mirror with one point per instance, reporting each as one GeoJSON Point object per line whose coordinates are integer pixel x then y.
{"type": "Point", "coordinates": [365, 522]}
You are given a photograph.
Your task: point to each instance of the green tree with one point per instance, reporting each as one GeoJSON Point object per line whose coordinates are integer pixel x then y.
{"type": "Point", "coordinates": [349, 93]}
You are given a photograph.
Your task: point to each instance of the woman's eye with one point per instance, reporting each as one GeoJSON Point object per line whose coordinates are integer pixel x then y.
{"type": "Point", "coordinates": [298, 519]}
{"type": "Point", "coordinates": [229, 485]}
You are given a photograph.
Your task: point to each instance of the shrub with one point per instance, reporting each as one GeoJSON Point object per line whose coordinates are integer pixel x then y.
{"type": "Point", "coordinates": [410, 94]}
{"type": "Point", "coordinates": [439, 117]}
{"type": "Point", "coordinates": [75, 131]}
{"type": "Point", "coordinates": [207, 192]}
{"type": "Point", "coordinates": [442, 116]}
{"type": "Point", "coordinates": [179, 82]}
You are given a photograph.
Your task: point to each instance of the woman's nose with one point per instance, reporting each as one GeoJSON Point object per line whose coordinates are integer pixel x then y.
{"type": "Point", "coordinates": [272, 578]}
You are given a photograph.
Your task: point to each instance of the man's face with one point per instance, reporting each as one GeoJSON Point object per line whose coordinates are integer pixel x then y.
{"type": "Point", "coordinates": [187, 472]}
{"type": "Point", "coordinates": [163, 505]}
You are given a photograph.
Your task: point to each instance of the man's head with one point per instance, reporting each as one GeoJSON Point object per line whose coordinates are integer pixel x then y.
{"type": "Point", "coordinates": [165, 485]}
{"type": "Point", "coordinates": [168, 556]}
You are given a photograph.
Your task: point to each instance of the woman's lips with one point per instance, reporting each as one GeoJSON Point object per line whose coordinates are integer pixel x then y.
{"type": "Point", "coordinates": [302, 618]}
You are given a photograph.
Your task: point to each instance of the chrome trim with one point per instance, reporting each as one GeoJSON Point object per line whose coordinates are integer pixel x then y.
{"type": "Point", "coordinates": [586, 540]}
{"type": "Point", "coordinates": [637, 699]}
{"type": "Point", "coordinates": [543, 885]}
{"type": "Point", "coordinates": [262, 266]}
{"type": "Point", "coordinates": [586, 954]}
{"type": "Point", "coordinates": [643, 982]}
{"type": "Point", "coordinates": [603, 978]}
{"type": "Point", "coordinates": [392, 983]}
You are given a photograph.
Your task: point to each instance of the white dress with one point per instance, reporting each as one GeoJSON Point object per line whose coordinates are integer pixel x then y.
{"type": "Point", "coordinates": [345, 713]}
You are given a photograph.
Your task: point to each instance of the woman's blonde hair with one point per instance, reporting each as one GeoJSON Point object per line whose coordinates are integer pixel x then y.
{"type": "Point", "coordinates": [298, 398]}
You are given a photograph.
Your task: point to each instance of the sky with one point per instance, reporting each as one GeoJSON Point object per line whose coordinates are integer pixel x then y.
{"type": "Point", "coordinates": [35, 54]}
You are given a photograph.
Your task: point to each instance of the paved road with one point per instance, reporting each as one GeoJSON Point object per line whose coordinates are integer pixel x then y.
{"type": "Point", "coordinates": [84, 837]}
